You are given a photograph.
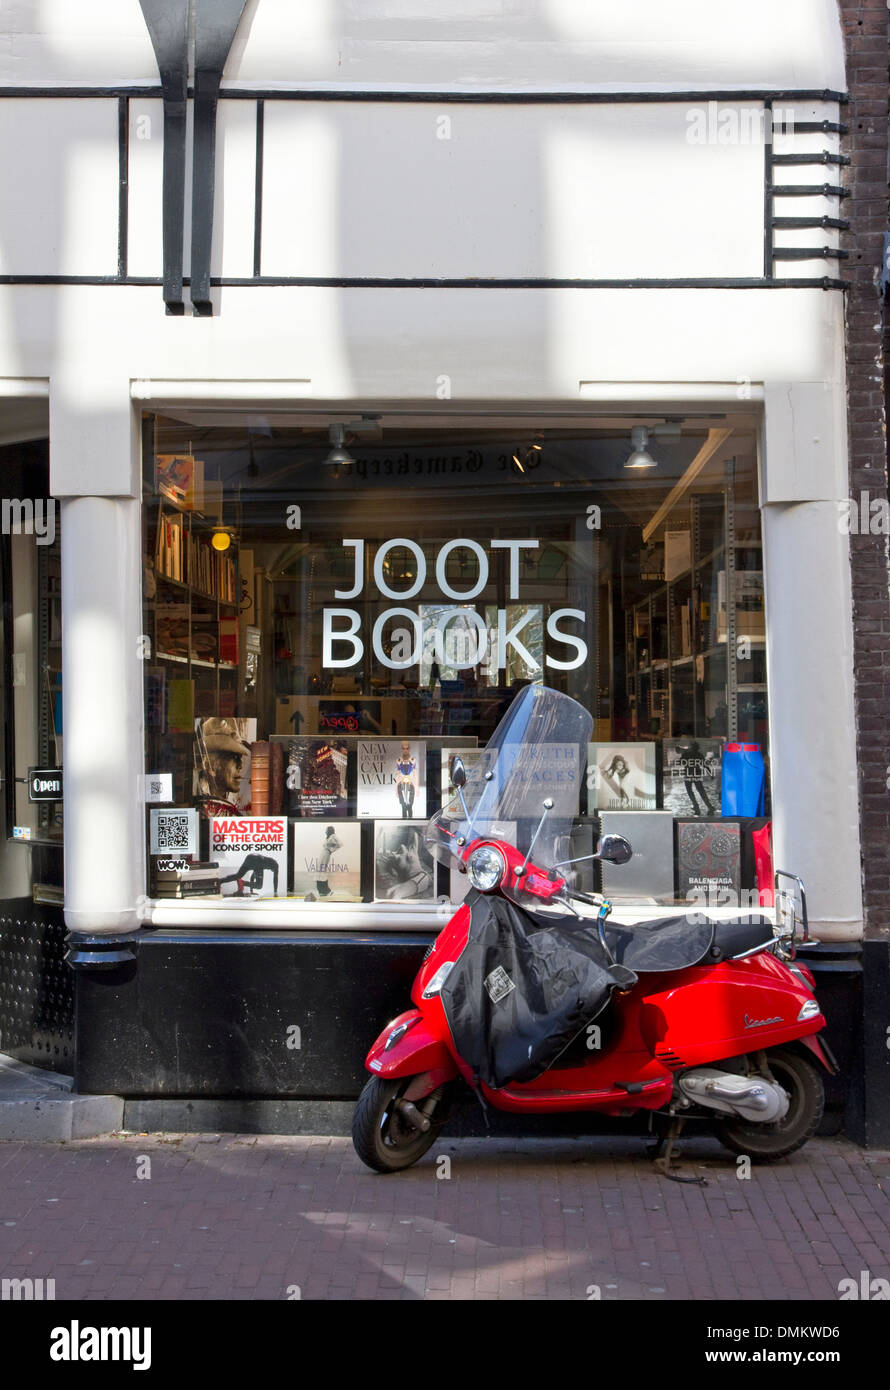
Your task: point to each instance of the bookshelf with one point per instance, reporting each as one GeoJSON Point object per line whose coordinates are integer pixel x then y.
{"type": "Point", "coordinates": [192, 608]}
{"type": "Point", "coordinates": [695, 645]}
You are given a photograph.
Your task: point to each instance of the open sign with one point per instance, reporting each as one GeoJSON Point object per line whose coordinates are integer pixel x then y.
{"type": "Point", "coordinates": [44, 784]}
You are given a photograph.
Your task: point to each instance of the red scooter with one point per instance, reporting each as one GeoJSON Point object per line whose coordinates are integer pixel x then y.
{"type": "Point", "coordinates": [542, 1005]}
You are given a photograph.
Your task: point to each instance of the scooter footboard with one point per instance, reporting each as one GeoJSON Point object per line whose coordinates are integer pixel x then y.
{"type": "Point", "coordinates": [417, 1049]}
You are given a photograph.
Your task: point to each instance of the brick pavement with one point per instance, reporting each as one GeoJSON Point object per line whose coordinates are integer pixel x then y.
{"type": "Point", "coordinates": [251, 1217]}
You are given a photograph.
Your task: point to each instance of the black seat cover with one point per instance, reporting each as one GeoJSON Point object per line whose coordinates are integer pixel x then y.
{"type": "Point", "coordinates": [674, 943]}
{"type": "Point", "coordinates": [735, 938]}
{"type": "Point", "coordinates": [665, 943]}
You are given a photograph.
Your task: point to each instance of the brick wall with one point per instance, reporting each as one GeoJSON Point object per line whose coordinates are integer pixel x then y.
{"type": "Point", "coordinates": [865, 27]}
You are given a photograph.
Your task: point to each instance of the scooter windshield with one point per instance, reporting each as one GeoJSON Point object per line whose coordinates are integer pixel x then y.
{"type": "Point", "coordinates": [525, 788]}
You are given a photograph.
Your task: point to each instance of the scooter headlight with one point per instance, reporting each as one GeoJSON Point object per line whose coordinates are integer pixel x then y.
{"type": "Point", "coordinates": [486, 867]}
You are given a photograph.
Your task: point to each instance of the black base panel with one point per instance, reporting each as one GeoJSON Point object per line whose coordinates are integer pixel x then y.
{"type": "Point", "coordinates": [868, 1113]}
{"type": "Point", "coordinates": [241, 1014]}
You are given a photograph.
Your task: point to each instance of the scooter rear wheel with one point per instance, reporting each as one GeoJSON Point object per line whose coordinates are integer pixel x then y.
{"type": "Point", "coordinates": [382, 1138]}
{"type": "Point", "coordinates": [765, 1143]}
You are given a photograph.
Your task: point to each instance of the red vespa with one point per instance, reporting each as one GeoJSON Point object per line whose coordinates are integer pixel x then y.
{"type": "Point", "coordinates": [543, 1005]}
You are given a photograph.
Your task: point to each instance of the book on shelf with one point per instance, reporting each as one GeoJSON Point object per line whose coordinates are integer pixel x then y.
{"type": "Point", "coordinates": [649, 874]}
{"type": "Point", "coordinates": [316, 776]}
{"type": "Point", "coordinates": [621, 776]}
{"type": "Point", "coordinates": [252, 855]}
{"type": "Point", "coordinates": [328, 861]}
{"type": "Point", "coordinates": [392, 778]}
{"type": "Point", "coordinates": [677, 553]}
{"type": "Point", "coordinates": [403, 866]}
{"type": "Point", "coordinates": [692, 775]}
{"type": "Point", "coordinates": [708, 858]}
{"type": "Point", "coordinates": [198, 879]}
{"type": "Point", "coordinates": [175, 477]}
{"type": "Point", "coordinates": [685, 631]}
{"type": "Point", "coordinates": [168, 546]}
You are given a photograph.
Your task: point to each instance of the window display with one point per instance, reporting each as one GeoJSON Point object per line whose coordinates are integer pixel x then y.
{"type": "Point", "coordinates": [326, 636]}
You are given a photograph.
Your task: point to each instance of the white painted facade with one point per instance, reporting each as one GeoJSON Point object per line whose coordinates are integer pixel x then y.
{"type": "Point", "coordinates": [616, 190]}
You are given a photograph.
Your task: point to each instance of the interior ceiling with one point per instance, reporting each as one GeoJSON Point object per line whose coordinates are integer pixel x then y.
{"type": "Point", "coordinates": [23, 419]}
{"type": "Point", "coordinates": [574, 455]}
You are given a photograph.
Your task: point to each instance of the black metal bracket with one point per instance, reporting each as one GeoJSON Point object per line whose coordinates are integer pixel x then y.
{"type": "Point", "coordinates": [842, 223]}
{"type": "Point", "coordinates": [167, 22]}
{"type": "Point", "coordinates": [820, 157]}
{"type": "Point", "coordinates": [216, 22]}
{"type": "Point", "coordinates": [809, 253]}
{"type": "Point", "coordinates": [810, 190]}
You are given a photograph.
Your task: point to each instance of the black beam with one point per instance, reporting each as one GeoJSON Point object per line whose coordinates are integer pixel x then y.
{"type": "Point", "coordinates": [809, 253]}
{"type": "Point", "coordinates": [482, 97]}
{"type": "Point", "coordinates": [215, 24]}
{"type": "Point", "coordinates": [810, 190]}
{"type": "Point", "coordinates": [167, 24]}
{"type": "Point", "coordinates": [818, 157]}
{"type": "Point", "coordinates": [123, 195]}
{"type": "Point", "coordinates": [258, 190]}
{"type": "Point", "coordinates": [841, 223]}
{"type": "Point", "coordinates": [324, 282]}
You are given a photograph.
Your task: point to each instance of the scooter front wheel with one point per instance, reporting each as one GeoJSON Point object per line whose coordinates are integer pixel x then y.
{"type": "Point", "coordinates": [383, 1138]}
{"type": "Point", "coordinates": [806, 1094]}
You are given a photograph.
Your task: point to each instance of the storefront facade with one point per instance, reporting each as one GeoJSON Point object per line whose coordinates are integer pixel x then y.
{"type": "Point", "coordinates": [517, 357]}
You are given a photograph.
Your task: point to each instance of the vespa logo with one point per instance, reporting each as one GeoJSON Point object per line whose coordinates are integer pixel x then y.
{"type": "Point", "coordinates": [760, 1022]}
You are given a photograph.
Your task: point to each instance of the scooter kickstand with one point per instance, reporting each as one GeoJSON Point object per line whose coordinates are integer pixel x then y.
{"type": "Point", "coordinates": [664, 1162]}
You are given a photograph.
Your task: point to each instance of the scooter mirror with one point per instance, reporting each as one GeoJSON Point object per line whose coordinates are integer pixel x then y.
{"type": "Point", "coordinates": [615, 849]}
{"type": "Point", "coordinates": [458, 773]}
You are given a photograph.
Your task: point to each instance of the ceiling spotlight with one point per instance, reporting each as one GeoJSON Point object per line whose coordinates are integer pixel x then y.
{"type": "Point", "coordinates": [640, 458]}
{"type": "Point", "coordinates": [338, 454]}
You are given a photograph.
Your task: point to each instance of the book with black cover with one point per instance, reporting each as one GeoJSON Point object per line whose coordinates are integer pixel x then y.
{"type": "Point", "coordinates": [691, 779]}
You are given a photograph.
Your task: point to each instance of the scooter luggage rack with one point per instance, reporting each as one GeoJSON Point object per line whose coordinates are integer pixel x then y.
{"type": "Point", "coordinates": [791, 905]}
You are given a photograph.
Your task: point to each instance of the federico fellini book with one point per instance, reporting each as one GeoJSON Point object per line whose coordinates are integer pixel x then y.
{"type": "Point", "coordinates": [392, 779]}
{"type": "Point", "coordinates": [252, 855]}
{"type": "Point", "coordinates": [328, 861]}
{"type": "Point", "coordinates": [621, 777]}
{"type": "Point", "coordinates": [692, 775]}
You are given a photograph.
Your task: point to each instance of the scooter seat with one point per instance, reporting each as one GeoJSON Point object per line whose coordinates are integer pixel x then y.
{"type": "Point", "coordinates": [740, 936]}
{"type": "Point", "coordinates": [675, 943]}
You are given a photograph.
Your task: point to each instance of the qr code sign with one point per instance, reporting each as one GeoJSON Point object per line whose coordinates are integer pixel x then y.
{"type": "Point", "coordinates": [174, 832]}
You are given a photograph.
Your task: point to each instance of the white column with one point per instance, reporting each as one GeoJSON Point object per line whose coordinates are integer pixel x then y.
{"type": "Point", "coordinates": [102, 713]}
{"type": "Point", "coordinates": [812, 717]}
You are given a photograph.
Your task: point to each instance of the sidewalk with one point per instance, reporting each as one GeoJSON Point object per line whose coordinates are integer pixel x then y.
{"type": "Point", "coordinates": [244, 1217]}
{"type": "Point", "coordinates": [38, 1104]}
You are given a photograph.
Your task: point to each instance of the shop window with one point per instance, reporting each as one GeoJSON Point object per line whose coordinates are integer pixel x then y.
{"type": "Point", "coordinates": [325, 635]}
{"type": "Point", "coordinates": [31, 539]}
